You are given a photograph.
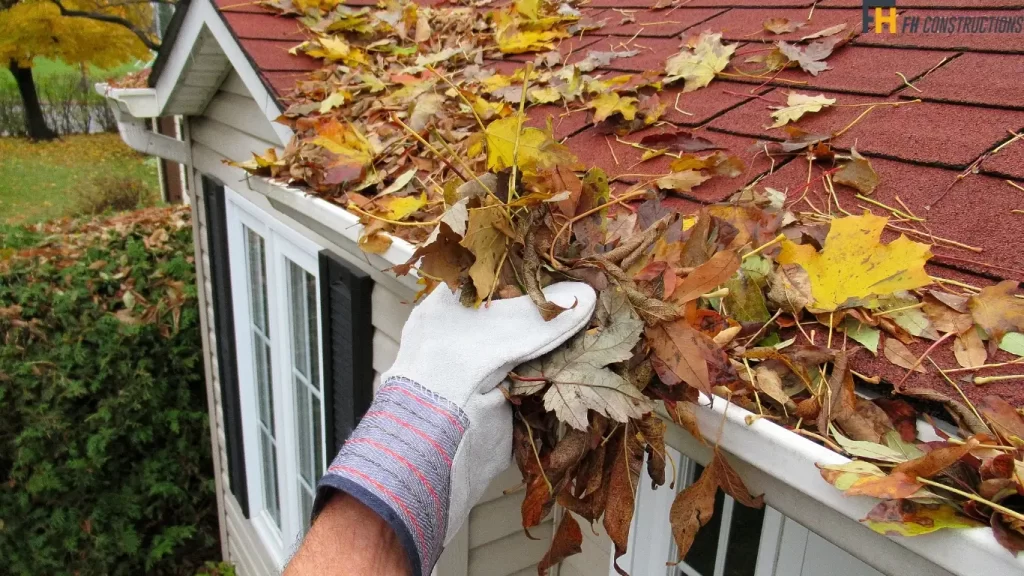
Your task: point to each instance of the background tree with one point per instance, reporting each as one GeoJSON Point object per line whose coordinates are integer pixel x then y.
{"type": "Point", "coordinates": [104, 33]}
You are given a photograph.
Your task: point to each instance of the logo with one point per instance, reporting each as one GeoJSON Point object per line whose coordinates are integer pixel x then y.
{"type": "Point", "coordinates": [877, 14]}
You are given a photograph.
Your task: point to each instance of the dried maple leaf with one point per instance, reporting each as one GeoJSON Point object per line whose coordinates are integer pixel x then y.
{"type": "Point", "coordinates": [678, 141]}
{"type": "Point", "coordinates": [799, 104]}
{"type": "Point", "coordinates": [611, 103]}
{"type": "Point", "coordinates": [853, 264]}
{"type": "Point", "coordinates": [969, 350]}
{"type": "Point", "coordinates": [997, 311]}
{"type": "Point", "coordinates": [652, 427]}
{"type": "Point", "coordinates": [812, 56]}
{"type": "Point", "coordinates": [535, 150]}
{"type": "Point", "coordinates": [443, 258]}
{"type": "Point", "coordinates": [699, 64]}
{"type": "Point", "coordinates": [857, 174]}
{"type": "Point", "coordinates": [568, 540]}
{"type": "Point", "coordinates": [596, 59]}
{"type": "Point", "coordinates": [781, 25]}
{"type": "Point", "coordinates": [830, 31]}
{"type": "Point", "coordinates": [578, 375]}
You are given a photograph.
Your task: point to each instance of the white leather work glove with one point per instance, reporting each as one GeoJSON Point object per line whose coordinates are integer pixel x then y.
{"type": "Point", "coordinates": [439, 429]}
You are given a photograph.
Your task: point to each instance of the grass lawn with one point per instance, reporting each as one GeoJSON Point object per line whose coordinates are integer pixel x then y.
{"type": "Point", "coordinates": [40, 181]}
{"type": "Point", "coordinates": [43, 68]}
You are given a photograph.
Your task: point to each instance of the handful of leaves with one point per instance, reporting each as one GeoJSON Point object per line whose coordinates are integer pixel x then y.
{"type": "Point", "coordinates": [748, 302]}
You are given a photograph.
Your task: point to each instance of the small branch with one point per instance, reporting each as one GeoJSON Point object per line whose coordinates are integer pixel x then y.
{"type": "Point", "coordinates": [969, 496]}
{"type": "Point", "coordinates": [925, 355]}
{"type": "Point", "coordinates": [111, 19]}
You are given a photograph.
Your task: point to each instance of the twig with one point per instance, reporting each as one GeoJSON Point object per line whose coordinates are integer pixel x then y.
{"type": "Point", "coordinates": [969, 496]}
{"type": "Point", "coordinates": [458, 91]}
{"type": "Point", "coordinates": [618, 200]}
{"type": "Point", "coordinates": [609, 144]}
{"type": "Point", "coordinates": [983, 366]}
{"type": "Point", "coordinates": [1015, 185]}
{"type": "Point", "coordinates": [979, 380]}
{"type": "Point", "coordinates": [351, 206]}
{"type": "Point", "coordinates": [900, 309]}
{"type": "Point", "coordinates": [925, 355]}
{"type": "Point", "coordinates": [430, 147]}
{"type": "Point", "coordinates": [764, 246]}
{"type": "Point", "coordinates": [832, 445]}
{"type": "Point", "coordinates": [867, 111]}
{"type": "Point", "coordinates": [529, 434]}
{"type": "Point", "coordinates": [895, 211]}
{"type": "Point", "coordinates": [907, 82]}
{"type": "Point", "coordinates": [519, 130]}
{"type": "Point", "coordinates": [955, 283]}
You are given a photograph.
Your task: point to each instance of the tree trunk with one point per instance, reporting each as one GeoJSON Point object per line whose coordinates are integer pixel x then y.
{"type": "Point", "coordinates": [35, 122]}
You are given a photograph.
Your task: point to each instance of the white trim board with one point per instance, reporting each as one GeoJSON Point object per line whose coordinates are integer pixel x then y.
{"type": "Point", "coordinates": [202, 14]}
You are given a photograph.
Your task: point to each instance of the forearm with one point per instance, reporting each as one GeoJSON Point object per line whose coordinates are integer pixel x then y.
{"type": "Point", "coordinates": [349, 539]}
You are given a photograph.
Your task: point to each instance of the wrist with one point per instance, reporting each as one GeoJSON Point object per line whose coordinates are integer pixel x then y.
{"type": "Point", "coordinates": [398, 463]}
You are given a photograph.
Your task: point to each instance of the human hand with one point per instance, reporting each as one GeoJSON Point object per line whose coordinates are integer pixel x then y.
{"type": "Point", "coordinates": [439, 430]}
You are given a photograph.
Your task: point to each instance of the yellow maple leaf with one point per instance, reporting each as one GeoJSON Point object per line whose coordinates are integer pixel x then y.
{"type": "Point", "coordinates": [698, 66]}
{"type": "Point", "coordinates": [402, 208]}
{"type": "Point", "coordinates": [799, 104]}
{"type": "Point", "coordinates": [517, 42]}
{"type": "Point", "coordinates": [609, 103]}
{"type": "Point", "coordinates": [334, 49]}
{"type": "Point", "coordinates": [853, 264]}
{"type": "Point", "coordinates": [528, 8]}
{"type": "Point", "coordinates": [536, 151]}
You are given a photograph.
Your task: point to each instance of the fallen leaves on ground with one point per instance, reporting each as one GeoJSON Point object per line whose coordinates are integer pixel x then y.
{"type": "Point", "coordinates": [799, 104]}
{"type": "Point", "coordinates": [697, 65]}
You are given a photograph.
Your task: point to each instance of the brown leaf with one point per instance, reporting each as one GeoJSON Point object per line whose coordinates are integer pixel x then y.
{"type": "Point", "coordinates": [811, 57]}
{"type": "Point", "coordinates": [443, 258]}
{"type": "Point", "coordinates": [866, 422]}
{"type": "Point", "coordinates": [781, 25]}
{"type": "Point", "coordinates": [1006, 536]}
{"type": "Point", "coordinates": [486, 241]}
{"type": "Point", "coordinates": [936, 461]}
{"type": "Point", "coordinates": [897, 353]}
{"type": "Point", "coordinates": [678, 141]}
{"type": "Point", "coordinates": [997, 311]}
{"type": "Point", "coordinates": [682, 350]}
{"type": "Point", "coordinates": [564, 179]}
{"type": "Point", "coordinates": [1000, 466]}
{"type": "Point", "coordinates": [891, 487]}
{"type": "Point", "coordinates": [653, 429]}
{"type": "Point", "coordinates": [969, 350]}
{"type": "Point", "coordinates": [963, 415]}
{"type": "Point", "coordinates": [1005, 420]}
{"type": "Point", "coordinates": [838, 397]}
{"type": "Point", "coordinates": [568, 540]}
{"type": "Point", "coordinates": [857, 174]}
{"type": "Point", "coordinates": [944, 317]}
{"type": "Point", "coordinates": [684, 414]}
{"type": "Point", "coordinates": [707, 277]}
{"type": "Point", "coordinates": [902, 415]}
{"type": "Point", "coordinates": [622, 486]}
{"type": "Point", "coordinates": [769, 382]}
{"type": "Point", "coordinates": [692, 509]}
{"type": "Point", "coordinates": [731, 483]}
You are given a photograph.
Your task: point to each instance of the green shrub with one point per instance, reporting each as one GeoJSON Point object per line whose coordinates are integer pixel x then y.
{"type": "Point", "coordinates": [113, 192]}
{"type": "Point", "coordinates": [105, 463]}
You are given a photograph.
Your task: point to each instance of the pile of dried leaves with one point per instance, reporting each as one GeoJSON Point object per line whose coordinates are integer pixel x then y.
{"type": "Point", "coordinates": [407, 127]}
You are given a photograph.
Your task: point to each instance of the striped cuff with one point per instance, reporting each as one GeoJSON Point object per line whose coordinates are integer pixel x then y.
{"type": "Point", "coordinates": [398, 462]}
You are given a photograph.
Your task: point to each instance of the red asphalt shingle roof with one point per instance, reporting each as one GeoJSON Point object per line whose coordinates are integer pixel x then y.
{"type": "Point", "coordinates": [970, 85]}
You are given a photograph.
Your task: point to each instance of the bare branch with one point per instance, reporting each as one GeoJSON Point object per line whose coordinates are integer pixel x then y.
{"type": "Point", "coordinates": [101, 17]}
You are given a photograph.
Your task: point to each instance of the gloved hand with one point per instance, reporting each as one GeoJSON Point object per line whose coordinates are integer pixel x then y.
{"type": "Point", "coordinates": [439, 430]}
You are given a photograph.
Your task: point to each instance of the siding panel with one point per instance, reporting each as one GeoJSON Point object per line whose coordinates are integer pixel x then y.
{"type": "Point", "coordinates": [245, 549]}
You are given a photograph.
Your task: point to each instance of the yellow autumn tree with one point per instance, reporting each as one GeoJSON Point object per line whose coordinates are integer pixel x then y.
{"type": "Point", "coordinates": [100, 32]}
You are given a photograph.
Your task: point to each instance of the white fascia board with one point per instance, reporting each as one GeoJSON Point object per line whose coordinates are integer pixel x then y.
{"type": "Point", "coordinates": [203, 13]}
{"type": "Point", "coordinates": [790, 459]}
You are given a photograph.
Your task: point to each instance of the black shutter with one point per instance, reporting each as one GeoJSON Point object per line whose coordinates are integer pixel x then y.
{"type": "Point", "coordinates": [348, 345]}
{"type": "Point", "coordinates": [224, 328]}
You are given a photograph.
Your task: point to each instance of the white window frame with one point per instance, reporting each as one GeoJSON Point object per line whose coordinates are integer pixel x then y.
{"type": "Point", "coordinates": [280, 243]}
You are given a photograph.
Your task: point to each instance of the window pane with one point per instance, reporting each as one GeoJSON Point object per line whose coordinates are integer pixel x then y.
{"type": "Point", "coordinates": [318, 434]}
{"type": "Point", "coordinates": [299, 318]}
{"type": "Point", "coordinates": [261, 361]}
{"type": "Point", "coordinates": [271, 501]}
{"type": "Point", "coordinates": [254, 247]}
{"type": "Point", "coordinates": [744, 540]}
{"type": "Point", "coordinates": [312, 314]}
{"type": "Point", "coordinates": [304, 426]}
{"type": "Point", "coordinates": [307, 510]}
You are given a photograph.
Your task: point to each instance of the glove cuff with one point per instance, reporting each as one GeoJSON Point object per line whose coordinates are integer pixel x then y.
{"type": "Point", "coordinates": [398, 462]}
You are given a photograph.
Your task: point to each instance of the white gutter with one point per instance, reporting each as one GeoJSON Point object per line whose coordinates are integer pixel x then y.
{"type": "Point", "coordinates": [789, 460]}
{"type": "Point", "coordinates": [131, 108]}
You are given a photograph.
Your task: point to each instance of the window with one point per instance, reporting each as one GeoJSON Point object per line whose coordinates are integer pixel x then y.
{"type": "Point", "coordinates": [274, 278]}
{"type": "Point", "coordinates": [738, 541]}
